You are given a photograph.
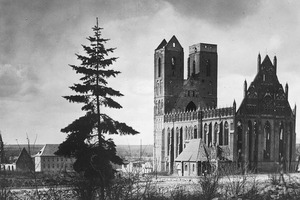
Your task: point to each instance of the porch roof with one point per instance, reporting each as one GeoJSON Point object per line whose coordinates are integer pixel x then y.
{"type": "Point", "coordinates": [195, 151]}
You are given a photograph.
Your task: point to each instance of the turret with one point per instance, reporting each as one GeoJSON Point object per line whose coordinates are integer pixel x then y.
{"type": "Point", "coordinates": [1, 150]}
{"type": "Point", "coordinates": [234, 105]}
{"type": "Point", "coordinates": [286, 91]}
{"type": "Point", "coordinates": [275, 64]}
{"type": "Point", "coordinates": [258, 62]}
{"type": "Point", "coordinates": [245, 89]}
{"type": "Point", "coordinates": [294, 111]}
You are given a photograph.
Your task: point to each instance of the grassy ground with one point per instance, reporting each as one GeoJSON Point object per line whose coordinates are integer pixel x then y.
{"type": "Point", "coordinates": [134, 187]}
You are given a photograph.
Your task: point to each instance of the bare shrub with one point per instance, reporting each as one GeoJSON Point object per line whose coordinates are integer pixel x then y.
{"type": "Point", "coordinates": [274, 178]}
{"type": "Point", "coordinates": [209, 184]}
{"type": "Point", "coordinates": [133, 186]}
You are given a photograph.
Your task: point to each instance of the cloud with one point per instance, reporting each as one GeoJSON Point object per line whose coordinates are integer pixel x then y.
{"type": "Point", "coordinates": [221, 13]}
{"type": "Point", "coordinates": [16, 81]}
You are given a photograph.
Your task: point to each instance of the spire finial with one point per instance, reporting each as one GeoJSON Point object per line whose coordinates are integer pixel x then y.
{"type": "Point", "coordinates": [286, 90]}
{"type": "Point", "coordinates": [245, 88]}
{"type": "Point", "coordinates": [258, 62]}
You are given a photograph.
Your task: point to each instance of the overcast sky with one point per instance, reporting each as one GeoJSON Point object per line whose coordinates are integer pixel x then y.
{"type": "Point", "coordinates": [39, 38]}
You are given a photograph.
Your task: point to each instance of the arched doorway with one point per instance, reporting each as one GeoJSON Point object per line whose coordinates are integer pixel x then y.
{"type": "Point", "coordinates": [190, 107]}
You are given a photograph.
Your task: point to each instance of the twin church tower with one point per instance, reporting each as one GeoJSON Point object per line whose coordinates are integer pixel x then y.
{"type": "Point", "coordinates": [187, 122]}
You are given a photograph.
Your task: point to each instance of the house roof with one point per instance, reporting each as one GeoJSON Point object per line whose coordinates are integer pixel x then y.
{"type": "Point", "coordinates": [48, 150]}
{"type": "Point", "coordinates": [23, 153]}
{"type": "Point", "coordinates": [195, 151]}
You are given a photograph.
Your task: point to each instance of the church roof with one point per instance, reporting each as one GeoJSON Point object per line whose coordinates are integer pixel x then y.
{"type": "Point", "coordinates": [173, 41]}
{"type": "Point", "coordinates": [265, 94]}
{"type": "Point", "coordinates": [267, 61]}
{"type": "Point", "coordinates": [195, 151]}
{"type": "Point", "coordinates": [162, 44]}
{"type": "Point", "coordinates": [23, 155]}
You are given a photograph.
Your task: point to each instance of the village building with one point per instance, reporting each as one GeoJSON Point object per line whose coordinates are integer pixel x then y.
{"type": "Point", "coordinates": [46, 161]}
{"type": "Point", "coordinates": [23, 163]}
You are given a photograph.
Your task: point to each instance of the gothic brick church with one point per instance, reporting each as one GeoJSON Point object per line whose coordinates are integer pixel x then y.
{"type": "Point", "coordinates": [189, 128]}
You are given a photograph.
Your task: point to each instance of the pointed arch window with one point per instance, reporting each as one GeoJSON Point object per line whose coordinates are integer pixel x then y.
{"type": "Point", "coordinates": [173, 61]}
{"type": "Point", "coordinates": [216, 131]}
{"type": "Point", "coordinates": [205, 129]}
{"type": "Point", "coordinates": [239, 140]}
{"type": "Point", "coordinates": [226, 133]}
{"type": "Point", "coordinates": [292, 139]}
{"type": "Point", "coordinates": [163, 142]}
{"type": "Point", "coordinates": [221, 136]}
{"type": "Point", "coordinates": [209, 135]}
{"type": "Point", "coordinates": [195, 132]}
{"type": "Point", "coordinates": [267, 141]}
{"type": "Point", "coordinates": [190, 107]}
{"type": "Point", "coordinates": [281, 141]}
{"type": "Point", "coordinates": [159, 68]}
{"type": "Point", "coordinates": [194, 68]}
{"type": "Point", "coordinates": [180, 140]}
{"type": "Point", "coordinates": [250, 140]}
{"type": "Point", "coordinates": [168, 142]}
{"type": "Point", "coordinates": [177, 141]}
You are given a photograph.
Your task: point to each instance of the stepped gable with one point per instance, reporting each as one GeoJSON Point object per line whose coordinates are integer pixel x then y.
{"type": "Point", "coordinates": [195, 151]}
{"type": "Point", "coordinates": [265, 95]}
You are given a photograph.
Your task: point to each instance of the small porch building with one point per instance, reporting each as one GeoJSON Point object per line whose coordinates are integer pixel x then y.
{"type": "Point", "coordinates": [195, 159]}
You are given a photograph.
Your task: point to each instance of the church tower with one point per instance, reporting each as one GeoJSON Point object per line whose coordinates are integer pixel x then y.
{"type": "Point", "coordinates": [203, 66]}
{"type": "Point", "coordinates": [168, 81]}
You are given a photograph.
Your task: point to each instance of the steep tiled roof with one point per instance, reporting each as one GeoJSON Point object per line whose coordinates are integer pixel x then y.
{"type": "Point", "coordinates": [48, 150]}
{"type": "Point", "coordinates": [195, 151]}
{"type": "Point", "coordinates": [162, 44]}
{"type": "Point", "coordinates": [22, 153]}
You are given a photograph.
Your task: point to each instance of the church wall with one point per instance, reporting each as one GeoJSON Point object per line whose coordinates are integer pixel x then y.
{"type": "Point", "coordinates": [157, 150]}
{"type": "Point", "coordinates": [263, 163]}
{"type": "Point", "coordinates": [187, 122]}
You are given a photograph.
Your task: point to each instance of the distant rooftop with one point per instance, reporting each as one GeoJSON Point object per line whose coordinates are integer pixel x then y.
{"type": "Point", "coordinates": [195, 151]}
{"type": "Point", "coordinates": [48, 150]}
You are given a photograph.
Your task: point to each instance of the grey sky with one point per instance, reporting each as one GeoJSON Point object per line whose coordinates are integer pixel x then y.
{"type": "Point", "coordinates": [39, 39]}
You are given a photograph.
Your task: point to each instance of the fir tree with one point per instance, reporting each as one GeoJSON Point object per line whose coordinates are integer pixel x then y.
{"type": "Point", "coordinates": [86, 136]}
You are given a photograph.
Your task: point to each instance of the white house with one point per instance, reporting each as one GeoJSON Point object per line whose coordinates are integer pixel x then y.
{"type": "Point", "coordinates": [46, 161]}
